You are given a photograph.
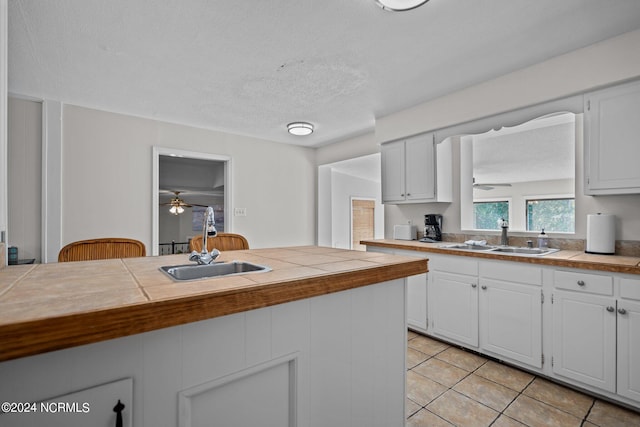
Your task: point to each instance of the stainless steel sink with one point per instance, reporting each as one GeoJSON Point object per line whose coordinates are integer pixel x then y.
{"type": "Point", "coordinates": [523, 251]}
{"type": "Point", "coordinates": [506, 250]}
{"type": "Point", "coordinates": [468, 247]}
{"type": "Point", "coordinates": [218, 269]}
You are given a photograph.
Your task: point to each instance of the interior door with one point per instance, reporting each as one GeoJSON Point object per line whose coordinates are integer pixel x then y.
{"type": "Point", "coordinates": [362, 222]}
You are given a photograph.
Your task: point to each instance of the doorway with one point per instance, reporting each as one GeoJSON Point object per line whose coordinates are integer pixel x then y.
{"type": "Point", "coordinates": [362, 222]}
{"type": "Point", "coordinates": [185, 183]}
{"type": "Point", "coordinates": [338, 184]}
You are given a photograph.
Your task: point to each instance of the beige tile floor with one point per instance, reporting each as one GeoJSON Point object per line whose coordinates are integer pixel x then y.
{"type": "Point", "coordinates": [447, 386]}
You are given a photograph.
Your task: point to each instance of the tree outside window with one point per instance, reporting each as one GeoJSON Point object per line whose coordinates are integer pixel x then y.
{"type": "Point", "coordinates": [551, 214]}
{"type": "Point", "coordinates": [487, 214]}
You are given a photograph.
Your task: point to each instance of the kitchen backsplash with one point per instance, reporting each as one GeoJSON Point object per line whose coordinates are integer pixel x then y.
{"type": "Point", "coordinates": [623, 247]}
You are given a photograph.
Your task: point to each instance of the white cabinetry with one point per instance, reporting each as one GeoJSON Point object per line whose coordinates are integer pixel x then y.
{"type": "Point", "coordinates": [416, 291]}
{"type": "Point", "coordinates": [453, 299]}
{"type": "Point", "coordinates": [611, 137]}
{"type": "Point", "coordinates": [410, 170]}
{"type": "Point", "coordinates": [417, 302]}
{"type": "Point", "coordinates": [94, 406]}
{"type": "Point", "coordinates": [511, 311]}
{"type": "Point", "coordinates": [303, 363]}
{"type": "Point", "coordinates": [492, 306]}
{"type": "Point", "coordinates": [584, 328]}
{"type": "Point", "coordinates": [629, 339]}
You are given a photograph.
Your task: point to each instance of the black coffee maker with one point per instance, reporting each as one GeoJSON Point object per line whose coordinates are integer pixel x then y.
{"type": "Point", "coordinates": [432, 228]}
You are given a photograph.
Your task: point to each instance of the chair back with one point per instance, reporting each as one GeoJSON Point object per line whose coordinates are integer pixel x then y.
{"type": "Point", "coordinates": [222, 242]}
{"type": "Point", "coordinates": [106, 248]}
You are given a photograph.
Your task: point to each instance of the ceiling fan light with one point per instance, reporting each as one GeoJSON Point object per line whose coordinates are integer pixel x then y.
{"type": "Point", "coordinates": [399, 5]}
{"type": "Point", "coordinates": [300, 128]}
{"type": "Point", "coordinates": [176, 209]}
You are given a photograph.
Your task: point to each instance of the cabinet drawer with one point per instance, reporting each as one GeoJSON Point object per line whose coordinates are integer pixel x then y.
{"type": "Point", "coordinates": [511, 272]}
{"type": "Point", "coordinates": [630, 288]}
{"type": "Point", "coordinates": [454, 264]}
{"type": "Point", "coordinates": [592, 283]}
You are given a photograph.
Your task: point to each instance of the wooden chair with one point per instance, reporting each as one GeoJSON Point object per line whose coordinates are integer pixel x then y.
{"type": "Point", "coordinates": [222, 242]}
{"type": "Point", "coordinates": [105, 248]}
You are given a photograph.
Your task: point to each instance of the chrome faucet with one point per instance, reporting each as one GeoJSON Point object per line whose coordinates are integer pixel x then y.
{"type": "Point", "coordinates": [208, 230]}
{"type": "Point", "coordinates": [504, 239]}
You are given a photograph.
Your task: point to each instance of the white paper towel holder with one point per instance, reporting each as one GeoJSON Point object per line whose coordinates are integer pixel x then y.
{"type": "Point", "coordinates": [601, 234]}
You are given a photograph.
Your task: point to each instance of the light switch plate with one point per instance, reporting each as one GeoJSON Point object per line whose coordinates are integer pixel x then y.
{"type": "Point", "coordinates": [240, 212]}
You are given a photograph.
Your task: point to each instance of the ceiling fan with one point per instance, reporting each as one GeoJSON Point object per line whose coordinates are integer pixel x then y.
{"type": "Point", "coordinates": [488, 186]}
{"type": "Point", "coordinates": [178, 205]}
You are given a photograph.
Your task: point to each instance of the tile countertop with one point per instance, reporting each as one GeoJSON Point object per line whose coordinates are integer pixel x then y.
{"type": "Point", "coordinates": [45, 307]}
{"type": "Point", "coordinates": [571, 259]}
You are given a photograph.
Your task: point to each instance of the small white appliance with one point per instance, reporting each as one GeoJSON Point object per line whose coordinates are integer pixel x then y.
{"type": "Point", "coordinates": [405, 232]}
{"type": "Point", "coordinates": [601, 234]}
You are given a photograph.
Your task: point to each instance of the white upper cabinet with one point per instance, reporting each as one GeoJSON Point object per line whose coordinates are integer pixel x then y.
{"type": "Point", "coordinates": [416, 170]}
{"type": "Point", "coordinates": [612, 140]}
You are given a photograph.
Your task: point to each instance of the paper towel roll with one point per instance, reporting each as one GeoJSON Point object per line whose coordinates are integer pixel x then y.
{"type": "Point", "coordinates": [601, 234]}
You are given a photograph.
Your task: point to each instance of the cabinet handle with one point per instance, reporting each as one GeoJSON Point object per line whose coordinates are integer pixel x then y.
{"type": "Point", "coordinates": [473, 285]}
{"type": "Point", "coordinates": [622, 311]}
{"type": "Point", "coordinates": [611, 309]}
{"type": "Point", "coordinates": [118, 410]}
{"type": "Point", "coordinates": [484, 287]}
{"type": "Point", "coordinates": [408, 194]}
{"type": "Point", "coordinates": [580, 282]}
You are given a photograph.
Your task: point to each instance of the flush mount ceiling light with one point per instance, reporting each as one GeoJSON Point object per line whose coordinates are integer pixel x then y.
{"type": "Point", "coordinates": [300, 128]}
{"type": "Point", "coordinates": [400, 5]}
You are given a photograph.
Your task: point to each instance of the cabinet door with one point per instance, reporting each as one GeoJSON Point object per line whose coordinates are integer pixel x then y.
{"type": "Point", "coordinates": [629, 349]}
{"type": "Point", "coordinates": [511, 321]}
{"type": "Point", "coordinates": [417, 302]}
{"type": "Point", "coordinates": [420, 168]}
{"type": "Point", "coordinates": [584, 338]}
{"type": "Point", "coordinates": [611, 140]}
{"type": "Point", "coordinates": [393, 171]}
{"type": "Point", "coordinates": [90, 407]}
{"type": "Point", "coordinates": [453, 307]}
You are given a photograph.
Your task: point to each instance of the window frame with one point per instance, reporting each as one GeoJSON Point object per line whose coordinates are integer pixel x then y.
{"type": "Point", "coordinates": [508, 200]}
{"type": "Point", "coordinates": [528, 198]}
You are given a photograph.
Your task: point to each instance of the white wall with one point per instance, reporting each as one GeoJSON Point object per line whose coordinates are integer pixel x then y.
{"type": "Point", "coordinates": [343, 188]}
{"type": "Point", "coordinates": [24, 177]}
{"type": "Point", "coordinates": [107, 178]}
{"type": "Point", "coordinates": [609, 62]}
{"type": "Point", "coordinates": [4, 29]}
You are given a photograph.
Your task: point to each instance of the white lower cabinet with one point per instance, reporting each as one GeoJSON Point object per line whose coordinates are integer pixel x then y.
{"type": "Point", "coordinates": [586, 322]}
{"type": "Point", "coordinates": [453, 307]}
{"type": "Point", "coordinates": [584, 338]}
{"type": "Point", "coordinates": [417, 302]}
{"type": "Point", "coordinates": [416, 291]}
{"type": "Point", "coordinates": [629, 349]}
{"type": "Point", "coordinates": [496, 307]}
{"type": "Point", "coordinates": [511, 311]}
{"type": "Point", "coordinates": [596, 332]}
{"type": "Point", "coordinates": [511, 321]}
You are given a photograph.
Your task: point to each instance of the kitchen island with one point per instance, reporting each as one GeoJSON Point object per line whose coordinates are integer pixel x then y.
{"type": "Point", "coordinates": [318, 340]}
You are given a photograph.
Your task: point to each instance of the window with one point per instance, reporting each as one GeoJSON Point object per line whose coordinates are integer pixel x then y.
{"type": "Point", "coordinates": [487, 214]}
{"type": "Point", "coordinates": [551, 214]}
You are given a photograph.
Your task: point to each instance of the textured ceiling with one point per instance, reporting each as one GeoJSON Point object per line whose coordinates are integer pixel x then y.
{"type": "Point", "coordinates": [250, 67]}
{"type": "Point", "coordinates": [539, 150]}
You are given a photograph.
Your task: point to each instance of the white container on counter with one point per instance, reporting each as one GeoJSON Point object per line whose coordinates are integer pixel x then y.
{"type": "Point", "coordinates": [405, 232]}
{"type": "Point", "coordinates": [601, 234]}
